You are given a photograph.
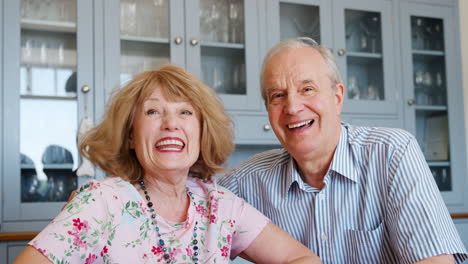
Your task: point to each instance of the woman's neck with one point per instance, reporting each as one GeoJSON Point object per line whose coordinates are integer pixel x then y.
{"type": "Point", "coordinates": [169, 196]}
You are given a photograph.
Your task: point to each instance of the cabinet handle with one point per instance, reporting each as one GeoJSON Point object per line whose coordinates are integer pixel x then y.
{"type": "Point", "coordinates": [85, 89]}
{"type": "Point", "coordinates": [411, 102]}
{"type": "Point", "coordinates": [178, 40]}
{"type": "Point", "coordinates": [341, 52]}
{"type": "Point", "coordinates": [266, 127]}
{"type": "Point", "coordinates": [194, 42]}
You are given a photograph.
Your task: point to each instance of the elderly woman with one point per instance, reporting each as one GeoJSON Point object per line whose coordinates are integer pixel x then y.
{"type": "Point", "coordinates": [163, 137]}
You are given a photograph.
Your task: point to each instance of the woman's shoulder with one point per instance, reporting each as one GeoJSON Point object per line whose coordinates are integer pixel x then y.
{"type": "Point", "coordinates": [107, 190]}
{"type": "Point", "coordinates": [208, 188]}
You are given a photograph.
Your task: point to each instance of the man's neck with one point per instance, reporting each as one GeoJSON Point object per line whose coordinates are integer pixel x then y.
{"type": "Point", "coordinates": [314, 172]}
{"type": "Point", "coordinates": [314, 167]}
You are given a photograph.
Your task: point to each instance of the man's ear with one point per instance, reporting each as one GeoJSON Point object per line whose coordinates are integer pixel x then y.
{"type": "Point", "coordinates": [339, 96]}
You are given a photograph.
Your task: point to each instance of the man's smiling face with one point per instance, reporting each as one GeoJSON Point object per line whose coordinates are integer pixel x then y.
{"type": "Point", "coordinates": [304, 106]}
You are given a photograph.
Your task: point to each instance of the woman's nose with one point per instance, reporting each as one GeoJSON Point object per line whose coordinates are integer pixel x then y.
{"type": "Point", "coordinates": [170, 122]}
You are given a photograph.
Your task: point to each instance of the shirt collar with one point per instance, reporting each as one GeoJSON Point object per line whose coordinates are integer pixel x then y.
{"type": "Point", "coordinates": [342, 163]}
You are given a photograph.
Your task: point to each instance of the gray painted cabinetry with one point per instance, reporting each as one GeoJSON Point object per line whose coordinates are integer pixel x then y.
{"type": "Point", "coordinates": [61, 60]}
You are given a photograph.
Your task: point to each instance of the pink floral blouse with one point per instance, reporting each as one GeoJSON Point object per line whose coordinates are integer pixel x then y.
{"type": "Point", "coordinates": [109, 222]}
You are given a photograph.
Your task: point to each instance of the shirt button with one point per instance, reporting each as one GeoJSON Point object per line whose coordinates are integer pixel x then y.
{"type": "Point", "coordinates": [324, 236]}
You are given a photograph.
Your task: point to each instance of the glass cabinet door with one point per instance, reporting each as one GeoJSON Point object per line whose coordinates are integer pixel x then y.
{"type": "Point", "coordinates": [144, 36]}
{"type": "Point", "coordinates": [429, 83]}
{"type": "Point", "coordinates": [49, 106]}
{"type": "Point", "coordinates": [222, 49]}
{"type": "Point", "coordinates": [364, 54]}
{"type": "Point", "coordinates": [47, 84]}
{"type": "Point", "coordinates": [223, 46]}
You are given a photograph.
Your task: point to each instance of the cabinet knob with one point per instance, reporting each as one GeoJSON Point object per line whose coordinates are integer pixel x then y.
{"type": "Point", "coordinates": [341, 52]}
{"type": "Point", "coordinates": [178, 40]}
{"type": "Point", "coordinates": [411, 102]}
{"type": "Point", "coordinates": [194, 42]}
{"type": "Point", "coordinates": [266, 127]}
{"type": "Point", "coordinates": [85, 88]}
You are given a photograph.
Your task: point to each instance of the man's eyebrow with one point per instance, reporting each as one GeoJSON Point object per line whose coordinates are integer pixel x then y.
{"type": "Point", "coordinates": [308, 81]}
{"type": "Point", "coordinates": [272, 89]}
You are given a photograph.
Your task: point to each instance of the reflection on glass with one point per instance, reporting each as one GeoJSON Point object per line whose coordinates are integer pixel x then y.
{"type": "Point", "coordinates": [144, 18]}
{"type": "Point", "coordinates": [427, 33]}
{"type": "Point", "coordinates": [365, 78]}
{"type": "Point", "coordinates": [223, 69]}
{"type": "Point", "coordinates": [50, 10]}
{"type": "Point", "coordinates": [298, 20]}
{"type": "Point", "coordinates": [429, 79]}
{"type": "Point", "coordinates": [137, 57]}
{"type": "Point", "coordinates": [48, 103]}
{"type": "Point", "coordinates": [442, 176]}
{"type": "Point", "coordinates": [222, 21]}
{"type": "Point", "coordinates": [363, 31]}
{"type": "Point", "coordinates": [432, 134]}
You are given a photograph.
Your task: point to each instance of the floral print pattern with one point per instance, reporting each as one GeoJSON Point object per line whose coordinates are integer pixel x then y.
{"type": "Point", "coordinates": [109, 222]}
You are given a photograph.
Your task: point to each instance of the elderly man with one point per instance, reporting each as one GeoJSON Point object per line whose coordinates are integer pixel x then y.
{"type": "Point", "coordinates": [351, 194]}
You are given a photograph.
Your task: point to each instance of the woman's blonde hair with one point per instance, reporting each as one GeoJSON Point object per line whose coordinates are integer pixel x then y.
{"type": "Point", "coordinates": [108, 144]}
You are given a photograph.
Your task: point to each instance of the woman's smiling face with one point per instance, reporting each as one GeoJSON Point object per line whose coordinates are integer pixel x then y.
{"type": "Point", "coordinates": [165, 134]}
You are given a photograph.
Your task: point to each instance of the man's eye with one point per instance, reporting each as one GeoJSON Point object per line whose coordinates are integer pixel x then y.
{"type": "Point", "coordinates": [308, 89]}
{"type": "Point", "coordinates": [276, 95]}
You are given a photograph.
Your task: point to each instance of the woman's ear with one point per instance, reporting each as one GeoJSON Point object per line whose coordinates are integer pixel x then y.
{"type": "Point", "coordinates": [131, 141]}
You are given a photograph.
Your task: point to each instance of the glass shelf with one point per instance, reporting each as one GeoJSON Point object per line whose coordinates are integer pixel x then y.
{"type": "Point", "coordinates": [144, 39]}
{"type": "Point", "coordinates": [365, 55]}
{"type": "Point", "coordinates": [429, 52]}
{"type": "Point", "coordinates": [207, 44]}
{"type": "Point", "coordinates": [44, 25]}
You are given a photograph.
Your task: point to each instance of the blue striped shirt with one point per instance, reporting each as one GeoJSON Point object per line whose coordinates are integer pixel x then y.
{"type": "Point", "coordinates": [380, 203]}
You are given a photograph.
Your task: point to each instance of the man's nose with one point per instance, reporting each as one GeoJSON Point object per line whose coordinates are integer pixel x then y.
{"type": "Point", "coordinates": [293, 104]}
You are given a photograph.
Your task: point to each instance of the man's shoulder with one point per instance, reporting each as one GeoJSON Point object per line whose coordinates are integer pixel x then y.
{"type": "Point", "coordinates": [364, 135]}
{"type": "Point", "coordinates": [261, 162]}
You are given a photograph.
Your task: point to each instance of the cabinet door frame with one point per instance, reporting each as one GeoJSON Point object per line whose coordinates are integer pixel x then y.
{"type": "Point", "coordinates": [457, 144]}
{"type": "Point", "coordinates": [2, 112]}
{"type": "Point", "coordinates": [251, 101]}
{"type": "Point", "coordinates": [20, 216]}
{"type": "Point", "coordinates": [390, 105]}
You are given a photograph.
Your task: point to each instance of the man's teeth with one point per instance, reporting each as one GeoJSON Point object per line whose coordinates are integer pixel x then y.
{"type": "Point", "coordinates": [300, 124]}
{"type": "Point", "coordinates": [170, 142]}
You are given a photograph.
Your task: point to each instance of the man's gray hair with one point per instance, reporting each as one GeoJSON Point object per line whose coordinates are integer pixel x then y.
{"type": "Point", "coordinates": [333, 71]}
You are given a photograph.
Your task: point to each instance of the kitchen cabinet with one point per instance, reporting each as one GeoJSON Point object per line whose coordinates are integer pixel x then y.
{"type": "Point", "coordinates": [61, 61]}
{"type": "Point", "coordinates": [360, 35]}
{"type": "Point", "coordinates": [47, 90]}
{"type": "Point", "coordinates": [215, 40]}
{"type": "Point", "coordinates": [433, 93]}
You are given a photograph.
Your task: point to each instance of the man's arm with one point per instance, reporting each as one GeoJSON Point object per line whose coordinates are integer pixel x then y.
{"type": "Point", "coordinates": [417, 218]}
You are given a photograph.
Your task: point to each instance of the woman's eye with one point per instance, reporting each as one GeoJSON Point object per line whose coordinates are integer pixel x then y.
{"type": "Point", "coordinates": [151, 112]}
{"type": "Point", "coordinates": [187, 112]}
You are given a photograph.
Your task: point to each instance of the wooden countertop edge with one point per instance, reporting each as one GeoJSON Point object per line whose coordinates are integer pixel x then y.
{"type": "Point", "coordinates": [17, 236]}
{"type": "Point", "coordinates": [30, 235]}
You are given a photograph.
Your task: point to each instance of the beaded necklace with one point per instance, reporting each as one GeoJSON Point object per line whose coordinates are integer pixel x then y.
{"type": "Point", "coordinates": [166, 250]}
